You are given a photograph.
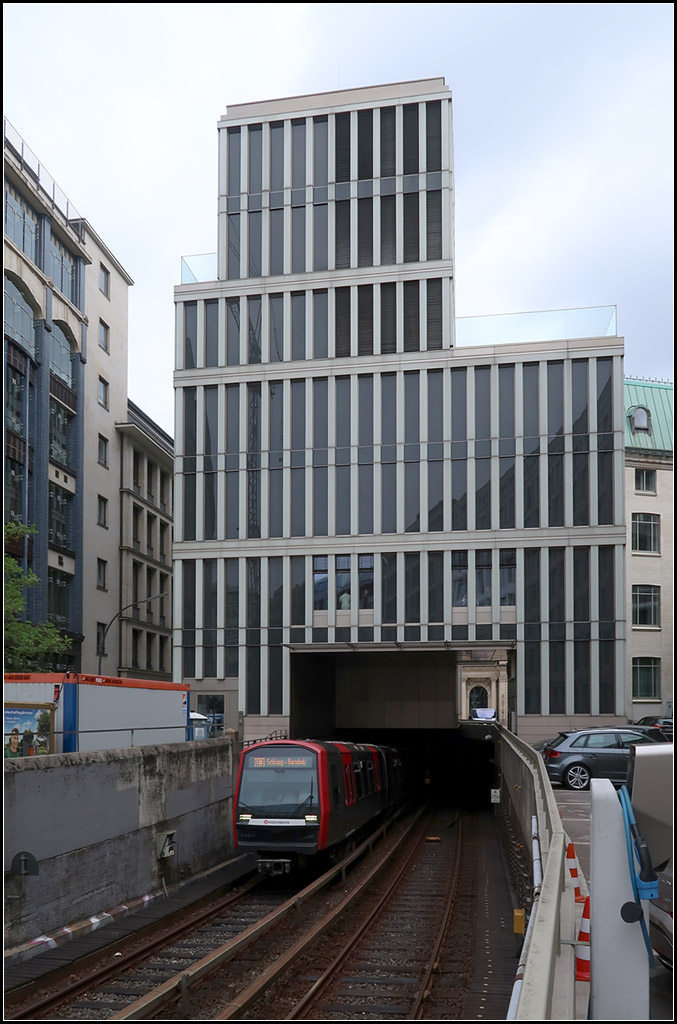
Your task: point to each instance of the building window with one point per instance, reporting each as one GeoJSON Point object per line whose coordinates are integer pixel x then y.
{"type": "Point", "coordinates": [508, 586]}
{"type": "Point", "coordinates": [100, 634]}
{"type": "Point", "coordinates": [58, 516]}
{"type": "Point", "coordinates": [104, 336]}
{"type": "Point", "coordinates": [104, 281]}
{"type": "Point", "coordinates": [14, 401]}
{"type": "Point", "coordinates": [101, 566]}
{"type": "Point", "coordinates": [59, 422]}
{"type": "Point", "coordinates": [640, 420]}
{"type": "Point", "coordinates": [320, 583]}
{"type": "Point", "coordinates": [646, 678]}
{"type": "Point", "coordinates": [102, 512]}
{"type": "Point", "coordinates": [483, 578]}
{"type": "Point", "coordinates": [61, 268]}
{"type": "Point", "coordinates": [19, 324]}
{"type": "Point", "coordinates": [14, 489]}
{"type": "Point", "coordinates": [103, 451]}
{"type": "Point", "coordinates": [343, 582]}
{"type": "Point", "coordinates": [57, 597]}
{"type": "Point", "coordinates": [21, 222]}
{"type": "Point", "coordinates": [459, 579]}
{"type": "Point", "coordinates": [60, 355]}
{"type": "Point", "coordinates": [103, 398]}
{"type": "Point", "coordinates": [365, 564]}
{"type": "Point", "coordinates": [645, 480]}
{"type": "Point", "coordinates": [646, 606]}
{"type": "Point", "coordinates": [646, 532]}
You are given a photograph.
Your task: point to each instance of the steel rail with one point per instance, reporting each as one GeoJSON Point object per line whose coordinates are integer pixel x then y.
{"type": "Point", "coordinates": [96, 971]}
{"type": "Point", "coordinates": [424, 990]}
{"type": "Point", "coordinates": [179, 984]}
{"type": "Point", "coordinates": [249, 996]}
{"type": "Point", "coordinates": [323, 981]}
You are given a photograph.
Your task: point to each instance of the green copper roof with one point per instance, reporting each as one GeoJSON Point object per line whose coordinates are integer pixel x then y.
{"type": "Point", "coordinates": [656, 396]}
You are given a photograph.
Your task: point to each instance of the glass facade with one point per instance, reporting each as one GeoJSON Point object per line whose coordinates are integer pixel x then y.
{"type": "Point", "coordinates": [395, 489]}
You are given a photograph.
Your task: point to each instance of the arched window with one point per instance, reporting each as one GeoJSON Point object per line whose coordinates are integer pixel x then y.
{"type": "Point", "coordinates": [19, 324]}
{"type": "Point", "coordinates": [640, 420]}
{"type": "Point", "coordinates": [478, 698]}
{"type": "Point", "coordinates": [60, 355]}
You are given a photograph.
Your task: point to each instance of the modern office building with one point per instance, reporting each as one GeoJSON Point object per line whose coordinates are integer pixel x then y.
{"type": "Point", "coordinates": [410, 515]}
{"type": "Point", "coordinates": [649, 497]}
{"type": "Point", "coordinates": [67, 419]}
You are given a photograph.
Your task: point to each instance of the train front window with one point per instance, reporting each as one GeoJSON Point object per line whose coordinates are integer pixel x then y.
{"type": "Point", "coordinates": [279, 782]}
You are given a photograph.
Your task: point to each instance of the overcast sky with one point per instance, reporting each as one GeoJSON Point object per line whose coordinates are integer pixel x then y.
{"type": "Point", "coordinates": [563, 142]}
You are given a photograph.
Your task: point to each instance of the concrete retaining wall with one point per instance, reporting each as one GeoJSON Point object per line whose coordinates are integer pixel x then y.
{"type": "Point", "coordinates": [91, 821]}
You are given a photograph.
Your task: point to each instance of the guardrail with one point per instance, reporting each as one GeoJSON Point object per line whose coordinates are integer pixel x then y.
{"type": "Point", "coordinates": [544, 954]}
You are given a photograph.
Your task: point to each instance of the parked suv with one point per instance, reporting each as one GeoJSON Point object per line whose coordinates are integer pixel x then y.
{"type": "Point", "coordinates": [653, 731]}
{"type": "Point", "coordinates": [573, 758]}
{"type": "Point", "coordinates": [658, 723]}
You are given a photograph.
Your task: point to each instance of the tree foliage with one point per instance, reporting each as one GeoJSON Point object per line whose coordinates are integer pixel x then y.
{"type": "Point", "coordinates": [26, 644]}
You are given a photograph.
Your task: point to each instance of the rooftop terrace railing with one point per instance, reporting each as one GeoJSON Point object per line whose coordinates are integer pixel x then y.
{"type": "Point", "coordinates": [43, 179]}
{"type": "Point", "coordinates": [545, 325]}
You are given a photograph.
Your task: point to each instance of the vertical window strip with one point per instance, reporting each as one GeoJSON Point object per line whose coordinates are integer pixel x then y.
{"type": "Point", "coordinates": [434, 225]}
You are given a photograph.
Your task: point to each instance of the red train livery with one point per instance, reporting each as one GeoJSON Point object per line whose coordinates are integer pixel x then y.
{"type": "Point", "coordinates": [298, 798]}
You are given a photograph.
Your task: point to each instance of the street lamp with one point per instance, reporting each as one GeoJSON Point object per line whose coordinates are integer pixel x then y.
{"type": "Point", "coordinates": [144, 600]}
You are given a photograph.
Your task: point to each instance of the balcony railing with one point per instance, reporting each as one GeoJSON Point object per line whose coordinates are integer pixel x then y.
{"type": "Point", "coordinates": [201, 267]}
{"type": "Point", "coordinates": [45, 181]}
{"type": "Point", "coordinates": [545, 325]}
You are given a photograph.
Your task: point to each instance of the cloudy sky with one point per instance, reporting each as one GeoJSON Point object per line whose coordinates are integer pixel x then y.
{"type": "Point", "coordinates": [562, 141]}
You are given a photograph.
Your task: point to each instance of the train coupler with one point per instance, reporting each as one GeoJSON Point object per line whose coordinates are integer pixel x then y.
{"type": "Point", "coordinates": [279, 866]}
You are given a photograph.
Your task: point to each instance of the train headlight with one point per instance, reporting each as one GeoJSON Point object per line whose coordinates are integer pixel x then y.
{"type": "Point", "coordinates": [244, 817]}
{"type": "Point", "coordinates": [311, 817]}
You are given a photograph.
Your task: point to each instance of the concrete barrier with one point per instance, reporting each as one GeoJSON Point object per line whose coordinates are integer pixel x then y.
{"type": "Point", "coordinates": [92, 820]}
{"type": "Point", "coordinates": [546, 988]}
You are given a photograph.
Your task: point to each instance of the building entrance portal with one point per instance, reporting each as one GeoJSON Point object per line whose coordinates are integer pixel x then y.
{"type": "Point", "coordinates": [405, 687]}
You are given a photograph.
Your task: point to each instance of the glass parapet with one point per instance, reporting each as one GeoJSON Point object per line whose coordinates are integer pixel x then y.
{"type": "Point", "coordinates": [201, 267]}
{"type": "Point", "coordinates": [546, 325]}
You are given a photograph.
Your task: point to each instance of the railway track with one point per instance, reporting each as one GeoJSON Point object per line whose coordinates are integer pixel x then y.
{"type": "Point", "coordinates": [377, 962]}
{"type": "Point", "coordinates": [403, 936]}
{"type": "Point", "coordinates": [138, 982]}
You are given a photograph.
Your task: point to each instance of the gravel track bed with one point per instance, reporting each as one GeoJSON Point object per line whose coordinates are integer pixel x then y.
{"type": "Point", "coordinates": [389, 946]}
{"type": "Point", "coordinates": [217, 990]}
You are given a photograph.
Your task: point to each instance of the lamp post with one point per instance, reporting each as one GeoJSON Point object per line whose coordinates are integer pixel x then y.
{"type": "Point", "coordinates": [143, 600]}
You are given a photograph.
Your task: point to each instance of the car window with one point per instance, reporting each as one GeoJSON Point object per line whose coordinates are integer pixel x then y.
{"type": "Point", "coordinates": [579, 741]}
{"type": "Point", "coordinates": [628, 738]}
{"type": "Point", "coordinates": [601, 739]}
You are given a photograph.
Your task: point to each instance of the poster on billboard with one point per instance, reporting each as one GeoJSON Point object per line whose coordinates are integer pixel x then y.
{"type": "Point", "coordinates": [28, 729]}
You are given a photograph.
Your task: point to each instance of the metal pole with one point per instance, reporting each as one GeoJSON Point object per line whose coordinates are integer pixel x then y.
{"type": "Point", "coordinates": [143, 600]}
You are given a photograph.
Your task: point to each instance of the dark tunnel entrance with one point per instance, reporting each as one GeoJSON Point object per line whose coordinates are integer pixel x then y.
{"type": "Point", "coordinates": [405, 699]}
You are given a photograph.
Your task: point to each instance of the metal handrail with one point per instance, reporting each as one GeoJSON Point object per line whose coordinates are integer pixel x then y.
{"type": "Point", "coordinates": [279, 734]}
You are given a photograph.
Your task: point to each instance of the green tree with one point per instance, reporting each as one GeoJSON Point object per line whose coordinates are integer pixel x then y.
{"type": "Point", "coordinates": [25, 643]}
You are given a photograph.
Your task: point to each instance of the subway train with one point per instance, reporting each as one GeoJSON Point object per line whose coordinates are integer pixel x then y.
{"type": "Point", "coordinates": [298, 799]}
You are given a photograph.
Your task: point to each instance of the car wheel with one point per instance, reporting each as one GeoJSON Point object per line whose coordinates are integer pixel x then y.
{"type": "Point", "coordinates": [577, 776]}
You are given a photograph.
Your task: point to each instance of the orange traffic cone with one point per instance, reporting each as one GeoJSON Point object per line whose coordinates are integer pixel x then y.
{"type": "Point", "coordinates": [573, 871]}
{"type": "Point", "coordinates": [583, 951]}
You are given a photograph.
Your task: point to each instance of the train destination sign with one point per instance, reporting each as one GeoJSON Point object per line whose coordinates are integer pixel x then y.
{"type": "Point", "coordinates": [281, 761]}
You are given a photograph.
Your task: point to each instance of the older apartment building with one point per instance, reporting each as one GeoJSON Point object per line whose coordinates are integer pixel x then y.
{"type": "Point", "coordinates": [410, 515]}
{"type": "Point", "coordinates": [649, 502]}
{"type": "Point", "coordinates": [71, 436]}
